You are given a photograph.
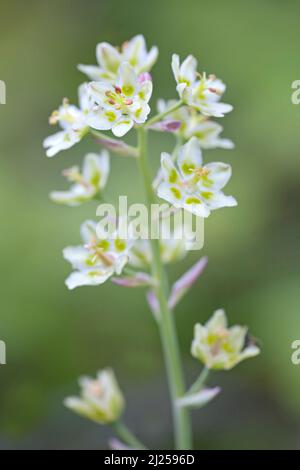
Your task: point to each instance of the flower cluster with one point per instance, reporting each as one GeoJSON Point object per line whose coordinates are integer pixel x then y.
{"type": "Point", "coordinates": [197, 90]}
{"type": "Point", "coordinates": [120, 105]}
{"type": "Point", "coordinates": [192, 186]}
{"type": "Point", "coordinates": [110, 58]}
{"type": "Point", "coordinates": [117, 99]}
{"type": "Point", "coordinates": [97, 259]}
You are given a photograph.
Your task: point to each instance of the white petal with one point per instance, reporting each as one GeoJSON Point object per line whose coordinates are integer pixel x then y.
{"type": "Point", "coordinates": [135, 52]}
{"type": "Point", "coordinates": [60, 141]}
{"type": "Point", "coordinates": [218, 321]}
{"type": "Point", "coordinates": [84, 97]}
{"type": "Point", "coordinates": [182, 91]}
{"type": "Point", "coordinates": [162, 105]}
{"type": "Point", "coordinates": [207, 133]}
{"type": "Point", "coordinates": [248, 352]}
{"type": "Point", "coordinates": [139, 111]}
{"type": "Point", "coordinates": [194, 204]}
{"type": "Point", "coordinates": [98, 91]}
{"type": "Point", "coordinates": [188, 69]}
{"type": "Point", "coordinates": [122, 127]}
{"type": "Point", "coordinates": [218, 176]}
{"type": "Point", "coordinates": [79, 406]}
{"type": "Point", "coordinates": [108, 57]}
{"type": "Point", "coordinates": [95, 73]}
{"type": "Point", "coordinates": [169, 171]}
{"type": "Point", "coordinates": [96, 169]}
{"type": "Point", "coordinates": [103, 119]}
{"type": "Point", "coordinates": [149, 60]}
{"type": "Point", "coordinates": [120, 262]}
{"type": "Point", "coordinates": [216, 200]}
{"type": "Point", "coordinates": [88, 277]}
{"type": "Point", "coordinates": [171, 193]}
{"type": "Point", "coordinates": [76, 255]}
{"type": "Point", "coordinates": [237, 336]}
{"type": "Point", "coordinates": [199, 399]}
{"type": "Point", "coordinates": [145, 91]}
{"type": "Point", "coordinates": [225, 144]}
{"type": "Point", "coordinates": [175, 66]}
{"type": "Point", "coordinates": [74, 197]}
{"type": "Point", "coordinates": [88, 231]}
{"type": "Point", "coordinates": [218, 85]}
{"type": "Point", "coordinates": [216, 109]}
{"type": "Point", "coordinates": [189, 157]}
{"type": "Point", "coordinates": [127, 79]}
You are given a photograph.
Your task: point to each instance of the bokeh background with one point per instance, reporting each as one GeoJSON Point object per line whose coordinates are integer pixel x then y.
{"type": "Point", "coordinates": [54, 335]}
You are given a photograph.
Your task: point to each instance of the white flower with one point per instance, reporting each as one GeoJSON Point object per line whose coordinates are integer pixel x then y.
{"type": "Point", "coordinates": [197, 90]}
{"type": "Point", "coordinates": [74, 123]}
{"type": "Point", "coordinates": [122, 104]}
{"type": "Point", "coordinates": [186, 73]}
{"type": "Point", "coordinates": [109, 59]}
{"type": "Point", "coordinates": [100, 400]}
{"type": "Point", "coordinates": [98, 259]}
{"type": "Point", "coordinates": [193, 124]}
{"type": "Point", "coordinates": [88, 183]}
{"type": "Point", "coordinates": [220, 347]}
{"type": "Point", "coordinates": [191, 186]}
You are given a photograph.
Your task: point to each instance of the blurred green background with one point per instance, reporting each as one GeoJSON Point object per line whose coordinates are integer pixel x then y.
{"type": "Point", "coordinates": [54, 335]}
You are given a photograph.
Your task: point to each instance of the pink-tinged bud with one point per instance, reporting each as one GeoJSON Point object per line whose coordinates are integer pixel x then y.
{"type": "Point", "coordinates": [137, 280]}
{"type": "Point", "coordinates": [167, 126]}
{"type": "Point", "coordinates": [213, 90]}
{"type": "Point", "coordinates": [115, 444]}
{"type": "Point", "coordinates": [119, 147]}
{"type": "Point", "coordinates": [153, 303]}
{"type": "Point", "coordinates": [145, 77]}
{"type": "Point", "coordinates": [198, 399]}
{"type": "Point", "coordinates": [185, 282]}
{"type": "Point", "coordinates": [128, 102]}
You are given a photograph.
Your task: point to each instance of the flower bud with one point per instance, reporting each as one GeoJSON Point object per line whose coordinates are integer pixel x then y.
{"type": "Point", "coordinates": [100, 400]}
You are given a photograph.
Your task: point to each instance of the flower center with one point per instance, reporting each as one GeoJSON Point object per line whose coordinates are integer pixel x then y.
{"type": "Point", "coordinates": [219, 340]}
{"type": "Point", "coordinates": [98, 251]}
{"type": "Point", "coordinates": [74, 176]}
{"type": "Point", "coordinates": [201, 172]}
{"type": "Point", "coordinates": [95, 389]}
{"type": "Point", "coordinates": [119, 98]}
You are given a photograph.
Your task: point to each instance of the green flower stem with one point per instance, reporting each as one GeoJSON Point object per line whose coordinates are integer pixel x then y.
{"type": "Point", "coordinates": [181, 418]}
{"type": "Point", "coordinates": [200, 382]}
{"type": "Point", "coordinates": [126, 436]}
{"type": "Point", "coordinates": [160, 116]}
